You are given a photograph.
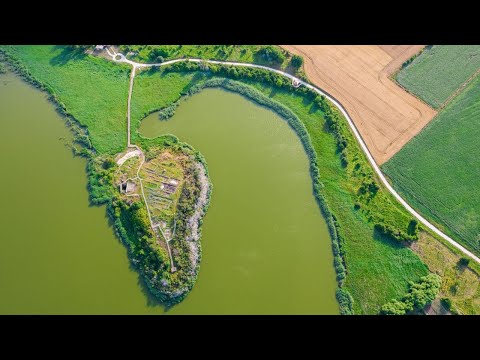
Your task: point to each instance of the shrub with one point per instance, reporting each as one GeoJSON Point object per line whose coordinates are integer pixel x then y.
{"type": "Point", "coordinates": [297, 61]}
{"type": "Point", "coordinates": [167, 112]}
{"type": "Point", "coordinates": [394, 233]}
{"type": "Point", "coordinates": [463, 262]}
{"type": "Point", "coordinates": [345, 301]}
{"type": "Point", "coordinates": [108, 164]}
{"type": "Point", "coordinates": [447, 303]}
{"type": "Point", "coordinates": [413, 228]}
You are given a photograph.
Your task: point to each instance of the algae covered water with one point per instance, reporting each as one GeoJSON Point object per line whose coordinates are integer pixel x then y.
{"type": "Point", "coordinates": [265, 244]}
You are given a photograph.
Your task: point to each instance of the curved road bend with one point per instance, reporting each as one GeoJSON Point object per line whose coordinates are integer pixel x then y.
{"type": "Point", "coordinates": [364, 147]}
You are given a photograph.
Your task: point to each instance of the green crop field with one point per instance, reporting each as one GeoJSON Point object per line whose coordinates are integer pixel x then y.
{"type": "Point", "coordinates": [378, 268]}
{"type": "Point", "coordinates": [93, 90]}
{"type": "Point", "coordinates": [438, 171]}
{"type": "Point", "coordinates": [440, 70]}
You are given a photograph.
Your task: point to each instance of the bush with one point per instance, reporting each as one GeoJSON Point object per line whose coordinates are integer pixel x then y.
{"type": "Point", "coordinates": [167, 112]}
{"type": "Point", "coordinates": [446, 303]}
{"type": "Point", "coordinates": [108, 164]}
{"type": "Point", "coordinates": [463, 262]}
{"type": "Point", "coordinates": [297, 61]}
{"type": "Point", "coordinates": [413, 228]}
{"type": "Point", "coordinates": [345, 301]}
{"type": "Point", "coordinates": [394, 233]}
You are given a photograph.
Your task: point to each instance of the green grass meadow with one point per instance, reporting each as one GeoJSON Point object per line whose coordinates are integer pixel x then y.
{"type": "Point", "coordinates": [438, 171]}
{"type": "Point", "coordinates": [440, 70]}
{"type": "Point", "coordinates": [93, 90]}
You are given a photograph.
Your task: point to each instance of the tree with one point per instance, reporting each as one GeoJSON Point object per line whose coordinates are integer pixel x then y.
{"type": "Point", "coordinates": [420, 294]}
{"type": "Point", "coordinates": [272, 54]}
{"type": "Point", "coordinates": [108, 164]}
{"type": "Point", "coordinates": [297, 61]}
{"type": "Point", "coordinates": [412, 227]}
{"type": "Point", "coordinates": [463, 262]}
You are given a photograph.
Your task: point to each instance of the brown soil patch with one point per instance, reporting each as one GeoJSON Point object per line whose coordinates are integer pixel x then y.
{"type": "Point", "coordinates": [386, 116]}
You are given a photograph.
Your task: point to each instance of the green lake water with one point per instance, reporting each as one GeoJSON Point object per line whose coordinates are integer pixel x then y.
{"type": "Point", "coordinates": [266, 247]}
{"type": "Point", "coordinates": [265, 244]}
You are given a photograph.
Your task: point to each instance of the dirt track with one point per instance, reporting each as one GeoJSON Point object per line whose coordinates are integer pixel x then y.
{"type": "Point", "coordinates": [358, 76]}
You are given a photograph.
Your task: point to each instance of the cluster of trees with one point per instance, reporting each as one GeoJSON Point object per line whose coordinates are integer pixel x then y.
{"type": "Point", "coordinates": [233, 72]}
{"type": "Point", "coordinates": [271, 54]}
{"type": "Point", "coordinates": [296, 62]}
{"type": "Point", "coordinates": [167, 112]}
{"type": "Point", "coordinates": [100, 174]}
{"type": "Point", "coordinates": [419, 295]}
{"type": "Point", "coordinates": [396, 233]}
{"type": "Point", "coordinates": [407, 62]}
{"type": "Point", "coordinates": [369, 186]}
{"type": "Point", "coordinates": [132, 226]}
{"type": "Point", "coordinates": [345, 301]}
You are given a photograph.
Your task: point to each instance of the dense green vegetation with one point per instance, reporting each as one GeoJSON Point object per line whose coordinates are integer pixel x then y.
{"type": "Point", "coordinates": [437, 171]}
{"type": "Point", "coordinates": [261, 54]}
{"type": "Point", "coordinates": [420, 294]}
{"type": "Point", "coordinates": [372, 267]}
{"type": "Point", "coordinates": [92, 89]}
{"type": "Point", "coordinates": [438, 71]}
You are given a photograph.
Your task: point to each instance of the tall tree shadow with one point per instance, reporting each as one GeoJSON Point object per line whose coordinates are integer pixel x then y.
{"type": "Point", "coordinates": [67, 54]}
{"type": "Point", "coordinates": [388, 240]}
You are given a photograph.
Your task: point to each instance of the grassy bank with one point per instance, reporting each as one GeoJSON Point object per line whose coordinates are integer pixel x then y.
{"type": "Point", "coordinates": [436, 171]}
{"type": "Point", "coordinates": [92, 90]}
{"type": "Point", "coordinates": [439, 70]}
{"type": "Point", "coordinates": [378, 267]}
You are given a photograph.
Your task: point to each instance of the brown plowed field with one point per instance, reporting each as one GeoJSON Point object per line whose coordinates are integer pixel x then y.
{"type": "Point", "coordinates": [358, 76]}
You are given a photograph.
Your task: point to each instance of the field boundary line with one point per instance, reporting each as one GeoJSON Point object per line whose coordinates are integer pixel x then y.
{"type": "Point", "coordinates": [459, 90]}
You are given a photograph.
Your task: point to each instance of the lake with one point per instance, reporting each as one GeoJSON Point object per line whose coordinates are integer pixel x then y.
{"type": "Point", "coordinates": [266, 247]}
